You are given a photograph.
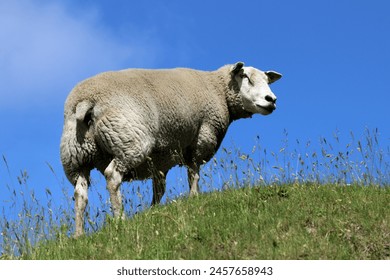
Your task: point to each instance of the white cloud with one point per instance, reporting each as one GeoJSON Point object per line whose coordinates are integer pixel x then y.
{"type": "Point", "coordinates": [44, 49]}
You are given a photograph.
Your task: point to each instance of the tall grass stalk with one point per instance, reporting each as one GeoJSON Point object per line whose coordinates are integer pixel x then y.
{"type": "Point", "coordinates": [362, 162]}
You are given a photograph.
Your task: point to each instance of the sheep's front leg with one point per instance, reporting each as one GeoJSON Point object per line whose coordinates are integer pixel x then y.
{"type": "Point", "coordinates": [81, 200]}
{"type": "Point", "coordinates": [159, 186]}
{"type": "Point", "coordinates": [193, 178]}
{"type": "Point", "coordinates": [114, 179]}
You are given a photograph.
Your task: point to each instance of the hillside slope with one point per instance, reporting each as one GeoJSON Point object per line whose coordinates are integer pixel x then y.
{"type": "Point", "coordinates": [276, 222]}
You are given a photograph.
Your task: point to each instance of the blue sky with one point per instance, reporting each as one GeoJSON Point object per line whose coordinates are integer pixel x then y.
{"type": "Point", "coordinates": [334, 57]}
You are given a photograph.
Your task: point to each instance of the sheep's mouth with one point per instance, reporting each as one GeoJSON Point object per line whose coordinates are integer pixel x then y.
{"type": "Point", "coordinates": [269, 109]}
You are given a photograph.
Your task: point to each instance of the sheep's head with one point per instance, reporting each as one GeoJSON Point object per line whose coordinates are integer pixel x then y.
{"type": "Point", "coordinates": [254, 89]}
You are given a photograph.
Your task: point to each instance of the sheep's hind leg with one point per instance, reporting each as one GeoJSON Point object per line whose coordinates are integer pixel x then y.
{"type": "Point", "coordinates": [81, 200]}
{"type": "Point", "coordinates": [159, 186]}
{"type": "Point", "coordinates": [193, 178]}
{"type": "Point", "coordinates": [114, 179]}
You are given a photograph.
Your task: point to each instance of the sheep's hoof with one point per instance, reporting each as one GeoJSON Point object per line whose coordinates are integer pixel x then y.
{"type": "Point", "coordinates": [194, 193]}
{"type": "Point", "coordinates": [78, 234]}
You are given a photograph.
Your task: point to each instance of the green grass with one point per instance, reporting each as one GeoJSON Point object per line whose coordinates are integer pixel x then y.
{"type": "Point", "coordinates": [294, 221]}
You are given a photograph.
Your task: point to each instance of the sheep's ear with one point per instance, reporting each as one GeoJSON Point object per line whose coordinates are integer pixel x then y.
{"type": "Point", "coordinates": [236, 68]}
{"type": "Point", "coordinates": [273, 76]}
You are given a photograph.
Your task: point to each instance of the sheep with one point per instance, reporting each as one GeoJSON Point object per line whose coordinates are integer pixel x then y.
{"type": "Point", "coordinates": [136, 124]}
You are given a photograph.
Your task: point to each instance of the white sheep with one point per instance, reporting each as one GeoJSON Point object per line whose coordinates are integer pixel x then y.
{"type": "Point", "coordinates": [138, 124]}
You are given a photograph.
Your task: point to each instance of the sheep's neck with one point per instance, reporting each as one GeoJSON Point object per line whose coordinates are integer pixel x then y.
{"type": "Point", "coordinates": [233, 99]}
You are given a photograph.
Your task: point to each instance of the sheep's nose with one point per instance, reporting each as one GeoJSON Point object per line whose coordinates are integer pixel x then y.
{"type": "Point", "coordinates": [270, 98]}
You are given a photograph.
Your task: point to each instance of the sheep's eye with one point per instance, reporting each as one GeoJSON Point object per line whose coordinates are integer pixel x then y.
{"type": "Point", "coordinates": [246, 76]}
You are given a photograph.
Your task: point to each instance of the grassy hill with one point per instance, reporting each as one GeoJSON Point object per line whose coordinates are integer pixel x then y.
{"type": "Point", "coordinates": [275, 222]}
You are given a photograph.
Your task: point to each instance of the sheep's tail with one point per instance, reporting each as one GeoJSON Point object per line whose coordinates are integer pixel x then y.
{"type": "Point", "coordinates": [77, 143]}
{"type": "Point", "coordinates": [84, 112]}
